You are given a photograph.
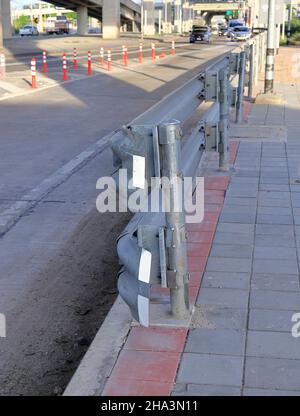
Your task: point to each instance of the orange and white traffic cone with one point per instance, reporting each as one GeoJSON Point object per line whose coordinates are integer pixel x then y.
{"type": "Point", "coordinates": [89, 63]}
{"type": "Point", "coordinates": [153, 52]}
{"type": "Point", "coordinates": [44, 62]}
{"type": "Point", "coordinates": [102, 57]}
{"type": "Point", "coordinates": [141, 53]}
{"type": "Point", "coordinates": [173, 48]}
{"type": "Point", "coordinates": [109, 60]}
{"type": "Point", "coordinates": [124, 54]}
{"type": "Point", "coordinates": [33, 73]}
{"type": "Point", "coordinates": [65, 75]}
{"type": "Point", "coordinates": [75, 66]}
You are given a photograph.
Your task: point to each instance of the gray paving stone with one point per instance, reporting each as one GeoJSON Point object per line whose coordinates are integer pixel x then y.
{"type": "Point", "coordinates": [274, 195]}
{"type": "Point", "coordinates": [274, 181]}
{"type": "Point", "coordinates": [269, 393]}
{"type": "Point", "coordinates": [218, 264]}
{"type": "Point", "coordinates": [205, 390]}
{"type": "Point", "coordinates": [218, 317]}
{"type": "Point", "coordinates": [274, 187]}
{"type": "Point", "coordinates": [272, 345]}
{"type": "Point", "coordinates": [295, 188]}
{"type": "Point", "coordinates": [271, 202]}
{"type": "Point", "coordinates": [247, 173]}
{"type": "Point", "coordinates": [274, 219]}
{"type": "Point", "coordinates": [274, 241]}
{"type": "Point", "coordinates": [224, 227]}
{"type": "Point", "coordinates": [295, 203]}
{"type": "Point", "coordinates": [228, 298]}
{"type": "Point", "coordinates": [267, 299]}
{"type": "Point", "coordinates": [275, 266]}
{"type": "Point", "coordinates": [270, 373]}
{"type": "Point", "coordinates": [279, 253]}
{"type": "Point", "coordinates": [239, 209]}
{"type": "Point", "coordinates": [227, 250]}
{"type": "Point", "coordinates": [216, 341]}
{"type": "Point", "coordinates": [282, 282]}
{"type": "Point", "coordinates": [267, 229]}
{"type": "Point", "coordinates": [210, 369]}
{"type": "Point", "coordinates": [271, 320]}
{"type": "Point", "coordinates": [226, 280]}
{"type": "Point", "coordinates": [226, 238]}
{"type": "Point", "coordinates": [274, 210]}
{"type": "Point", "coordinates": [242, 191]}
{"type": "Point", "coordinates": [239, 180]}
{"type": "Point", "coordinates": [238, 218]}
{"type": "Point", "coordinates": [235, 201]}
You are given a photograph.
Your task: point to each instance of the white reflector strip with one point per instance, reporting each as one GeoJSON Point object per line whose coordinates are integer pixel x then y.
{"type": "Point", "coordinates": [139, 171]}
{"type": "Point", "coordinates": [143, 308]}
{"type": "Point", "coordinates": [145, 266]}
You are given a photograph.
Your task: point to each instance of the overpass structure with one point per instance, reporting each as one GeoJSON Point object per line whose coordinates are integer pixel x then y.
{"type": "Point", "coordinates": [110, 12]}
{"type": "Point", "coordinates": [209, 8]}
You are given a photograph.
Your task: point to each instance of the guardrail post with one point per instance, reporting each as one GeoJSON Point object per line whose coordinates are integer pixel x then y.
{"type": "Point", "coordinates": [251, 71]}
{"type": "Point", "coordinates": [224, 120]}
{"type": "Point", "coordinates": [241, 87]}
{"type": "Point", "coordinates": [177, 265]}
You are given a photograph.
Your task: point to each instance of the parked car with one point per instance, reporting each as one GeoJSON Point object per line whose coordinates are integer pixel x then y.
{"type": "Point", "coordinates": [240, 33]}
{"type": "Point", "coordinates": [202, 33]}
{"type": "Point", "coordinates": [29, 30]}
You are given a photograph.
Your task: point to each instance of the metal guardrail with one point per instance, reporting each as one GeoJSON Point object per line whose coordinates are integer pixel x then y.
{"type": "Point", "coordinates": [152, 248]}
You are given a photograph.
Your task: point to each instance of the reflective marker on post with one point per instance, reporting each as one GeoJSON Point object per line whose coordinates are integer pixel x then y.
{"type": "Point", "coordinates": [33, 73]}
{"type": "Point", "coordinates": [109, 60]}
{"type": "Point", "coordinates": [153, 53]}
{"type": "Point", "coordinates": [65, 76]}
{"type": "Point", "coordinates": [89, 63]}
{"type": "Point", "coordinates": [44, 62]}
{"type": "Point", "coordinates": [2, 64]}
{"type": "Point", "coordinates": [126, 56]}
{"type": "Point", "coordinates": [102, 57]}
{"type": "Point", "coordinates": [173, 48]}
{"type": "Point", "coordinates": [75, 66]}
{"type": "Point", "coordinates": [141, 53]}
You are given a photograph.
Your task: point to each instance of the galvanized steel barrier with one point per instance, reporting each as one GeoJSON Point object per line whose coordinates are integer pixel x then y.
{"type": "Point", "coordinates": [152, 248]}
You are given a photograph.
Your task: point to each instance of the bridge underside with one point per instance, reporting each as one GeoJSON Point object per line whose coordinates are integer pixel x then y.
{"type": "Point", "coordinates": [95, 7]}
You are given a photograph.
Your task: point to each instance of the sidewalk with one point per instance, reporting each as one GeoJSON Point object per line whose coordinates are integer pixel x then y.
{"type": "Point", "coordinates": [246, 252]}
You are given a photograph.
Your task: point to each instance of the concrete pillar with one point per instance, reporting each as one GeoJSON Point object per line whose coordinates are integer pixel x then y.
{"type": "Point", "coordinates": [149, 17]}
{"type": "Point", "coordinates": [178, 16]}
{"type": "Point", "coordinates": [167, 16]}
{"type": "Point", "coordinates": [6, 19]}
{"type": "Point", "coordinates": [186, 16]}
{"type": "Point", "coordinates": [82, 20]}
{"type": "Point", "coordinates": [111, 19]}
{"type": "Point", "coordinates": [1, 29]}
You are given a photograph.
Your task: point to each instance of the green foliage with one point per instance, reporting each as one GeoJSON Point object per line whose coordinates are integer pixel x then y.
{"type": "Point", "coordinates": [295, 26]}
{"type": "Point", "coordinates": [71, 16]}
{"type": "Point", "coordinates": [20, 22]}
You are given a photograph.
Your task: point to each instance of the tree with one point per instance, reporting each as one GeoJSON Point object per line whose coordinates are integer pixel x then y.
{"type": "Point", "coordinates": [20, 22]}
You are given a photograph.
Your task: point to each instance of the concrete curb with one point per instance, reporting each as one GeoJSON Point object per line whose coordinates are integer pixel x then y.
{"type": "Point", "coordinates": [97, 364]}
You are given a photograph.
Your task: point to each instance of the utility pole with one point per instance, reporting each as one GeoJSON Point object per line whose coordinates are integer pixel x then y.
{"type": "Point", "coordinates": [289, 24]}
{"type": "Point", "coordinates": [271, 45]}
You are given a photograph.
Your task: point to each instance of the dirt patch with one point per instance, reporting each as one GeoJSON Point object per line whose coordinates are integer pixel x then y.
{"type": "Point", "coordinates": [59, 316]}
